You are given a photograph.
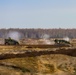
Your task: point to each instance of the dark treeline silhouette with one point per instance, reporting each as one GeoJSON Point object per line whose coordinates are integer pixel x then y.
{"type": "Point", "coordinates": [40, 33]}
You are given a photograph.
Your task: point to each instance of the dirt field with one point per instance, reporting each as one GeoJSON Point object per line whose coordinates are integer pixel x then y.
{"type": "Point", "coordinates": [37, 60]}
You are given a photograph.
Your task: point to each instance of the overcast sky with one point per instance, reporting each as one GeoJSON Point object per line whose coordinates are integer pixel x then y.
{"type": "Point", "coordinates": [37, 13]}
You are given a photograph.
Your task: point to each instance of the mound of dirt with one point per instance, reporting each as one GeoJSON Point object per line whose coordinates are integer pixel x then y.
{"type": "Point", "coordinates": [54, 64]}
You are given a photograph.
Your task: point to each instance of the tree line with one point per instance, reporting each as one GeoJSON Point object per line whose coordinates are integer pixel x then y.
{"type": "Point", "coordinates": [40, 33]}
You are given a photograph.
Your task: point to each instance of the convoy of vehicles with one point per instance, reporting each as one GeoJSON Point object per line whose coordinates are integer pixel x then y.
{"type": "Point", "coordinates": [10, 41]}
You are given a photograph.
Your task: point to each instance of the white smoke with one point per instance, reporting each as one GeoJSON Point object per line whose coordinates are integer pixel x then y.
{"type": "Point", "coordinates": [46, 39]}
{"type": "Point", "coordinates": [45, 36]}
{"type": "Point", "coordinates": [14, 35]}
{"type": "Point", "coordinates": [66, 39]}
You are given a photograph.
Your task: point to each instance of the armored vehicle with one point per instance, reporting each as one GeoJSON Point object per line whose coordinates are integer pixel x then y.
{"type": "Point", "coordinates": [10, 41]}
{"type": "Point", "coordinates": [61, 41]}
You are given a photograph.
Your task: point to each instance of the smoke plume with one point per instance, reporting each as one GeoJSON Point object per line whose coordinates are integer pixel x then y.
{"type": "Point", "coordinates": [46, 39]}
{"type": "Point", "coordinates": [14, 35]}
{"type": "Point", "coordinates": [66, 39]}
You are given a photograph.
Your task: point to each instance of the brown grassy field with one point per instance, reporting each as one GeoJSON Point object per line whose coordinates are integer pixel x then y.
{"type": "Point", "coordinates": [50, 64]}
{"type": "Point", "coordinates": [40, 65]}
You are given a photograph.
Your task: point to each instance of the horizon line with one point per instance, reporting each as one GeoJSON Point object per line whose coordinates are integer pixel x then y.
{"type": "Point", "coordinates": [36, 28]}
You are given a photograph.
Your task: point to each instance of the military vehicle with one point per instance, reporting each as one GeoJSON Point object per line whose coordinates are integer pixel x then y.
{"type": "Point", "coordinates": [10, 41]}
{"type": "Point", "coordinates": [61, 41]}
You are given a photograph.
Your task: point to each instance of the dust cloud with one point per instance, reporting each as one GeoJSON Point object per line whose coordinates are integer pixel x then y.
{"type": "Point", "coordinates": [14, 35]}
{"type": "Point", "coordinates": [46, 39]}
{"type": "Point", "coordinates": [66, 38]}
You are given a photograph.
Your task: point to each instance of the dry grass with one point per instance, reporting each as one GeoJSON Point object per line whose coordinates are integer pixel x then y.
{"type": "Point", "coordinates": [44, 65]}
{"type": "Point", "coordinates": [54, 64]}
